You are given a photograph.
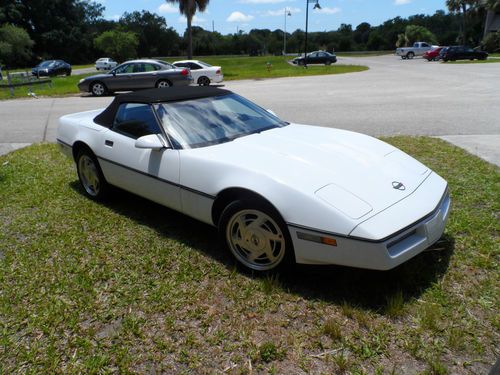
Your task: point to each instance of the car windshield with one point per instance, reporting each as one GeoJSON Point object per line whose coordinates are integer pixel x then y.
{"type": "Point", "coordinates": [45, 64]}
{"type": "Point", "coordinates": [204, 64]}
{"type": "Point", "coordinates": [208, 121]}
{"type": "Point", "coordinates": [168, 65]}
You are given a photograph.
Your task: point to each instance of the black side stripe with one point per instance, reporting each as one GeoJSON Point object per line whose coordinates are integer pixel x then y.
{"type": "Point", "coordinates": [203, 194]}
{"type": "Point", "coordinates": [64, 143]}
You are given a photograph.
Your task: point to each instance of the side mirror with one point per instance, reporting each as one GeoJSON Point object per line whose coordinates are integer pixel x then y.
{"type": "Point", "coordinates": [114, 73]}
{"type": "Point", "coordinates": [272, 112]}
{"type": "Point", "coordinates": [151, 141]}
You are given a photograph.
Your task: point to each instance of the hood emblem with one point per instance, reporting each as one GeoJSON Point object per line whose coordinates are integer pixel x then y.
{"type": "Point", "coordinates": [398, 185]}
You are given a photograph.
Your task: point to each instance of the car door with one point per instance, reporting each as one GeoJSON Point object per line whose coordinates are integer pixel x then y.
{"type": "Point", "coordinates": [153, 174]}
{"type": "Point", "coordinates": [121, 78]}
{"type": "Point", "coordinates": [196, 71]}
{"type": "Point", "coordinates": [312, 58]}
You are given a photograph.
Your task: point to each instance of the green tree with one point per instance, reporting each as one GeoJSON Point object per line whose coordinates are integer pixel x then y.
{"type": "Point", "coordinates": [188, 8]}
{"type": "Point", "coordinates": [15, 46]}
{"type": "Point", "coordinates": [415, 33]}
{"type": "Point", "coordinates": [117, 44]}
{"type": "Point", "coordinates": [463, 7]}
{"type": "Point", "coordinates": [491, 42]}
{"type": "Point", "coordinates": [155, 38]}
{"type": "Point", "coordinates": [59, 28]}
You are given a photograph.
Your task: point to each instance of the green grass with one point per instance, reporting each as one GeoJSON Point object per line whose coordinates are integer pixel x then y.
{"type": "Point", "coordinates": [232, 67]}
{"type": "Point", "coordinates": [257, 68]}
{"type": "Point", "coordinates": [60, 86]}
{"type": "Point", "coordinates": [129, 286]}
{"type": "Point", "coordinates": [487, 61]}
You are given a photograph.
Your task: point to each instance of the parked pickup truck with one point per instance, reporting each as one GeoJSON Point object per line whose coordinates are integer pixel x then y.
{"type": "Point", "coordinates": [418, 49]}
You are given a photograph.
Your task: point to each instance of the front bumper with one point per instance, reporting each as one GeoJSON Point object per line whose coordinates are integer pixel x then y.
{"type": "Point", "coordinates": [377, 255]}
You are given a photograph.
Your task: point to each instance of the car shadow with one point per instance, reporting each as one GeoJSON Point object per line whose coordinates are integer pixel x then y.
{"type": "Point", "coordinates": [362, 288]}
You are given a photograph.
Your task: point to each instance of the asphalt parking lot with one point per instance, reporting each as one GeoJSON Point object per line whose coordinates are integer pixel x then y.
{"type": "Point", "coordinates": [458, 102]}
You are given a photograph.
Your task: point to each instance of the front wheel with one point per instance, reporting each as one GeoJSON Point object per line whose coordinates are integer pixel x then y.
{"type": "Point", "coordinates": [328, 62]}
{"type": "Point", "coordinates": [98, 89]}
{"type": "Point", "coordinates": [257, 236]}
{"type": "Point", "coordinates": [410, 55]}
{"type": "Point", "coordinates": [90, 175]}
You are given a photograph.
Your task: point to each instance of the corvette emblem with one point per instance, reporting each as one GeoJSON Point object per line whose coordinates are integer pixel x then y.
{"type": "Point", "coordinates": [398, 185]}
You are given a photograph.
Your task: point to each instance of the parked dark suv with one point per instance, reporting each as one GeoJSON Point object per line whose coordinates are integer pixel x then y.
{"type": "Point", "coordinates": [316, 57]}
{"type": "Point", "coordinates": [463, 53]}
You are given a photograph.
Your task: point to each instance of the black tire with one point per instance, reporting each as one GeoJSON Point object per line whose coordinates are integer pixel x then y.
{"type": "Point", "coordinates": [68, 73]}
{"type": "Point", "coordinates": [268, 243]}
{"type": "Point", "coordinates": [163, 83]}
{"type": "Point", "coordinates": [204, 81]}
{"type": "Point", "coordinates": [98, 88]}
{"type": "Point", "coordinates": [403, 57]}
{"type": "Point", "coordinates": [328, 62]}
{"type": "Point", "coordinates": [410, 55]}
{"type": "Point", "coordinates": [90, 175]}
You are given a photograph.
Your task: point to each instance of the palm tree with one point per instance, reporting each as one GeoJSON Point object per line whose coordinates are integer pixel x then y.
{"type": "Point", "coordinates": [188, 8]}
{"type": "Point", "coordinates": [462, 6]}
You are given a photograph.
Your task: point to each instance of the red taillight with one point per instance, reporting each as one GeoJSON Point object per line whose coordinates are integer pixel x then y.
{"type": "Point", "coordinates": [185, 72]}
{"type": "Point", "coordinates": [218, 71]}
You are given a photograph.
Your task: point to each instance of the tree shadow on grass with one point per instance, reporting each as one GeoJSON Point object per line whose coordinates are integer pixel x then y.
{"type": "Point", "coordinates": [365, 289]}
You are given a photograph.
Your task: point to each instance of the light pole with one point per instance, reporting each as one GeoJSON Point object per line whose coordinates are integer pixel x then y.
{"type": "Point", "coordinates": [287, 14]}
{"type": "Point", "coordinates": [316, 6]}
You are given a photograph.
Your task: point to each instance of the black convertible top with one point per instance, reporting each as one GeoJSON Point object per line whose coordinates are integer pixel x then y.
{"type": "Point", "coordinates": [170, 94]}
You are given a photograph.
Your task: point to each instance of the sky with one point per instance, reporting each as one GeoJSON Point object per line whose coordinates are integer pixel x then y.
{"type": "Point", "coordinates": [230, 16]}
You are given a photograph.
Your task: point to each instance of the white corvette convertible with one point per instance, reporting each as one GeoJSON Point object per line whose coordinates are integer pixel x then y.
{"type": "Point", "coordinates": [278, 192]}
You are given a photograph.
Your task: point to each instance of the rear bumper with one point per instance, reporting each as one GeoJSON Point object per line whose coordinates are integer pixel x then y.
{"type": "Point", "coordinates": [377, 255]}
{"type": "Point", "coordinates": [218, 78]}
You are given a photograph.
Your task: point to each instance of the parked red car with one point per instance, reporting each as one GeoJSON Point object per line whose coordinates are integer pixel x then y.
{"type": "Point", "coordinates": [433, 54]}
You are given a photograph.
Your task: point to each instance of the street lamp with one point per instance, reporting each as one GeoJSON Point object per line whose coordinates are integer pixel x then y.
{"type": "Point", "coordinates": [316, 6]}
{"type": "Point", "coordinates": [287, 14]}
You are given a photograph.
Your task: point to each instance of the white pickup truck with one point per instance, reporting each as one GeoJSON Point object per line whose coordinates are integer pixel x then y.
{"type": "Point", "coordinates": [418, 49]}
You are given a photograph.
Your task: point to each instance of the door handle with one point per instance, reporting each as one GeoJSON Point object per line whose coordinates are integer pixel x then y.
{"type": "Point", "coordinates": [108, 143]}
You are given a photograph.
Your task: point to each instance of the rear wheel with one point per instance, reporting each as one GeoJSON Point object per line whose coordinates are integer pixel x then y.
{"type": "Point", "coordinates": [257, 236]}
{"type": "Point", "coordinates": [98, 89]}
{"type": "Point", "coordinates": [90, 175]}
{"type": "Point", "coordinates": [204, 81]}
{"type": "Point", "coordinates": [163, 84]}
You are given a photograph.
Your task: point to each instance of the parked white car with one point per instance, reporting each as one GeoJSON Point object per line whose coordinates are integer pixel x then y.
{"type": "Point", "coordinates": [203, 73]}
{"type": "Point", "coordinates": [105, 63]}
{"type": "Point", "coordinates": [278, 192]}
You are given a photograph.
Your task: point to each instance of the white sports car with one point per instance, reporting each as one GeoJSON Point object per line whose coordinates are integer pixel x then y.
{"type": "Point", "coordinates": [278, 192]}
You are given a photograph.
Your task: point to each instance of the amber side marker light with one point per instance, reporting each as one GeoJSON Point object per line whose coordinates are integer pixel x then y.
{"type": "Point", "coordinates": [319, 239]}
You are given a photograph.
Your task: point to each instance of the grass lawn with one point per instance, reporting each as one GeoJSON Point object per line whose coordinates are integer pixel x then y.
{"type": "Point", "coordinates": [60, 86]}
{"type": "Point", "coordinates": [256, 67]}
{"type": "Point", "coordinates": [232, 67]}
{"type": "Point", "coordinates": [487, 61]}
{"type": "Point", "coordinates": [130, 286]}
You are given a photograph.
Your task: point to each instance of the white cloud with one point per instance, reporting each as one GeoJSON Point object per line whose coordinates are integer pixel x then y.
{"type": "Point", "coordinates": [261, 1]}
{"type": "Point", "coordinates": [281, 12]}
{"type": "Point", "coordinates": [402, 2]}
{"type": "Point", "coordinates": [239, 17]}
{"type": "Point", "coordinates": [327, 10]}
{"type": "Point", "coordinates": [168, 8]}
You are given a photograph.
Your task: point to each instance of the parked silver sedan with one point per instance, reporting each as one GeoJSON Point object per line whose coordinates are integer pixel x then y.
{"type": "Point", "coordinates": [136, 75]}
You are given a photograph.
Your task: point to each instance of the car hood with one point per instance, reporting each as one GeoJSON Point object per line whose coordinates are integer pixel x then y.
{"type": "Point", "coordinates": [97, 76]}
{"type": "Point", "coordinates": [352, 172]}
